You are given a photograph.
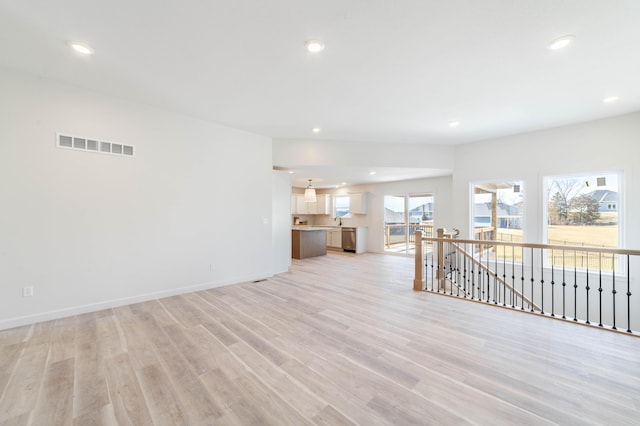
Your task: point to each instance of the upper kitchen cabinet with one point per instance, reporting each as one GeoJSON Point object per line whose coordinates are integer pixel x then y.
{"type": "Point", "coordinates": [321, 206]}
{"type": "Point", "coordinates": [358, 203]}
{"type": "Point", "coordinates": [302, 207]}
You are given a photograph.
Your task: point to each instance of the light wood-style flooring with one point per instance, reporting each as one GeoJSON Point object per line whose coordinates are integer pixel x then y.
{"type": "Point", "coordinates": [341, 339]}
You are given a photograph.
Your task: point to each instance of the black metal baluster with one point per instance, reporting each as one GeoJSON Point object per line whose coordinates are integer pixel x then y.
{"type": "Point", "coordinates": [522, 279]}
{"type": "Point", "coordinates": [553, 283]}
{"type": "Point", "coordinates": [613, 292]}
{"type": "Point", "coordinates": [432, 267]}
{"type": "Point", "coordinates": [464, 274]}
{"type": "Point", "coordinates": [628, 296]}
{"type": "Point", "coordinates": [426, 268]}
{"type": "Point", "coordinates": [452, 270]}
{"type": "Point", "coordinates": [588, 288]}
{"type": "Point", "coordinates": [542, 281]}
{"type": "Point", "coordinates": [600, 288]}
{"type": "Point", "coordinates": [480, 278]}
{"type": "Point", "coordinates": [496, 293]}
{"type": "Point", "coordinates": [473, 276]}
{"type": "Point", "coordinates": [513, 276]}
{"type": "Point", "coordinates": [532, 281]}
{"type": "Point", "coordinates": [488, 281]}
{"type": "Point", "coordinates": [564, 286]}
{"type": "Point", "coordinates": [575, 286]}
{"type": "Point", "coordinates": [458, 273]}
{"type": "Point", "coordinates": [504, 275]}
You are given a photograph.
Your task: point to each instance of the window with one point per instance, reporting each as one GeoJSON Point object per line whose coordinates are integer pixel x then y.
{"type": "Point", "coordinates": [583, 210]}
{"type": "Point", "coordinates": [498, 211]}
{"type": "Point", "coordinates": [341, 203]}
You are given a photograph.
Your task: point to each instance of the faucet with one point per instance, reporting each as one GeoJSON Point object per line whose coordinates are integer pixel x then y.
{"type": "Point", "coordinates": [336, 218]}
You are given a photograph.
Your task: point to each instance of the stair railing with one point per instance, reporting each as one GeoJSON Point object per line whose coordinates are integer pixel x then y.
{"type": "Point", "coordinates": [586, 285]}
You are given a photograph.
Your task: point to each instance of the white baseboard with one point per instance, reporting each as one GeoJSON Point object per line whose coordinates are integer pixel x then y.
{"type": "Point", "coordinates": [92, 307]}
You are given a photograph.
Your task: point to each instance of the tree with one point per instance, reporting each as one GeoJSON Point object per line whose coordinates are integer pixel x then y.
{"type": "Point", "coordinates": [558, 210]}
{"type": "Point", "coordinates": [563, 191]}
{"type": "Point", "coordinates": [583, 210]}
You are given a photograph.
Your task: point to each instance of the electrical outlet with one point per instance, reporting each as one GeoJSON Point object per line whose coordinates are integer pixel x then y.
{"type": "Point", "coordinates": [27, 291]}
{"type": "Point", "coordinates": [212, 266]}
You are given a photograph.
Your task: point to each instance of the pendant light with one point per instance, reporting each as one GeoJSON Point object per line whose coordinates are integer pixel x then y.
{"type": "Point", "coordinates": [310, 194]}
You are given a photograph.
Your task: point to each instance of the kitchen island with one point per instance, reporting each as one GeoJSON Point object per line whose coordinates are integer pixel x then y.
{"type": "Point", "coordinates": [308, 241]}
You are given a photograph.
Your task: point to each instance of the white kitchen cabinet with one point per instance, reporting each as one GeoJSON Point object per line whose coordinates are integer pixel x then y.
{"type": "Point", "coordinates": [361, 239]}
{"type": "Point", "coordinates": [358, 203]}
{"type": "Point", "coordinates": [298, 206]}
{"type": "Point", "coordinates": [302, 207]}
{"type": "Point", "coordinates": [322, 204]}
{"type": "Point", "coordinates": [334, 238]}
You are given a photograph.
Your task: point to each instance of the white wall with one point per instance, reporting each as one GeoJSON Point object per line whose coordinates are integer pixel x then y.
{"type": "Point", "coordinates": [281, 222]}
{"type": "Point", "coordinates": [611, 144]}
{"type": "Point", "coordinates": [89, 231]}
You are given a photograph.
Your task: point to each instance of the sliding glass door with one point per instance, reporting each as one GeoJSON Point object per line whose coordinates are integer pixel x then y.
{"type": "Point", "coordinates": [403, 216]}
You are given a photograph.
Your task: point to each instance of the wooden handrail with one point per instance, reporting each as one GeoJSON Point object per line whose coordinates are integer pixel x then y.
{"type": "Point", "coordinates": [591, 249]}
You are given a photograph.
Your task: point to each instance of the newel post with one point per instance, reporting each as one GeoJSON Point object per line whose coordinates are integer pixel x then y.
{"type": "Point", "coordinates": [418, 281]}
{"type": "Point", "coordinates": [440, 273]}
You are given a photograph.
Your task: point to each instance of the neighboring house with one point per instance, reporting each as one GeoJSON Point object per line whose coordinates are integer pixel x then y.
{"type": "Point", "coordinates": [416, 215]}
{"type": "Point", "coordinates": [508, 215]}
{"type": "Point", "coordinates": [422, 212]}
{"type": "Point", "coordinates": [607, 199]}
{"type": "Point", "coordinates": [391, 216]}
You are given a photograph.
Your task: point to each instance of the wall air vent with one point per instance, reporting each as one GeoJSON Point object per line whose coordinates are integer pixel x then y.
{"type": "Point", "coordinates": [93, 145]}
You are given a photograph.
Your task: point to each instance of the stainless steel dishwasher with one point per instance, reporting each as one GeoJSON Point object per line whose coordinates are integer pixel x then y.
{"type": "Point", "coordinates": [349, 239]}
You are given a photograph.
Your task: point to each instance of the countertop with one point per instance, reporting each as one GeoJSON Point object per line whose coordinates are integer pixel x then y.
{"type": "Point", "coordinates": [307, 228]}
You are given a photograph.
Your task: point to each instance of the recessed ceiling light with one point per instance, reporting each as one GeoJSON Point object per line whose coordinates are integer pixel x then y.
{"type": "Point", "coordinates": [372, 173]}
{"type": "Point", "coordinates": [316, 130]}
{"type": "Point", "coordinates": [314, 46]}
{"type": "Point", "coordinates": [561, 43]}
{"type": "Point", "coordinates": [454, 124]}
{"type": "Point", "coordinates": [82, 49]}
{"type": "Point", "coordinates": [344, 183]}
{"type": "Point", "coordinates": [290, 172]}
{"type": "Point", "coordinates": [609, 99]}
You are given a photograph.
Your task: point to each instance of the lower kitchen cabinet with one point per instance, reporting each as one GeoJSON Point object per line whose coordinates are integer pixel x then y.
{"type": "Point", "coordinates": [334, 238]}
{"type": "Point", "coordinates": [309, 242]}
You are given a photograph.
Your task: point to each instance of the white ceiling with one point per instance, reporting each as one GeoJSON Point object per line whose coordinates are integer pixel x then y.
{"type": "Point", "coordinates": [392, 71]}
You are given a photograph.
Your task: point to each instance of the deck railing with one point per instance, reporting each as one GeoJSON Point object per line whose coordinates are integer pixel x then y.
{"type": "Point", "coordinates": [537, 278]}
{"type": "Point", "coordinates": [397, 233]}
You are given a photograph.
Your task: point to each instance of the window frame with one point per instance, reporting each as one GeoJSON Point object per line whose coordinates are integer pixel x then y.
{"type": "Point", "coordinates": [598, 173]}
{"type": "Point", "coordinates": [472, 202]}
